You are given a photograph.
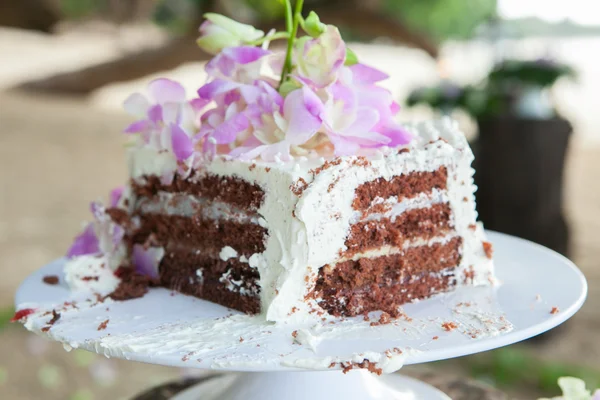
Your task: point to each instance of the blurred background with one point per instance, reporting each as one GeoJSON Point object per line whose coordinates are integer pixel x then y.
{"type": "Point", "coordinates": [521, 76]}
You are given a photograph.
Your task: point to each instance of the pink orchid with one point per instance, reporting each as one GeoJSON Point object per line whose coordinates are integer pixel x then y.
{"type": "Point", "coordinates": [361, 114]}
{"type": "Point", "coordinates": [165, 116]}
{"type": "Point", "coordinates": [241, 64]}
{"type": "Point", "coordinates": [319, 60]}
{"type": "Point", "coordinates": [281, 132]}
{"type": "Point", "coordinates": [219, 32]}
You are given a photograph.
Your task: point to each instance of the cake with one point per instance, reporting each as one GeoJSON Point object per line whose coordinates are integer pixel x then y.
{"type": "Point", "coordinates": [285, 188]}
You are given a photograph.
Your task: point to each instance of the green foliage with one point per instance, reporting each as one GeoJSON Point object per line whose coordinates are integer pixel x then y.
{"type": "Point", "coordinates": [5, 315]}
{"type": "Point", "coordinates": [81, 8]}
{"type": "Point", "coordinates": [178, 15]}
{"type": "Point", "coordinates": [442, 19]}
{"type": "Point", "coordinates": [513, 367]}
{"type": "Point", "coordinates": [268, 10]}
{"type": "Point", "coordinates": [497, 93]}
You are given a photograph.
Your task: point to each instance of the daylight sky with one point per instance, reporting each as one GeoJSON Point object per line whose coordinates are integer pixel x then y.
{"type": "Point", "coordinates": [581, 11]}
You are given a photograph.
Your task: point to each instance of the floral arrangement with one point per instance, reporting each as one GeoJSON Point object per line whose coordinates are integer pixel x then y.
{"type": "Point", "coordinates": [314, 100]}
{"type": "Point", "coordinates": [498, 92]}
{"type": "Point", "coordinates": [574, 389]}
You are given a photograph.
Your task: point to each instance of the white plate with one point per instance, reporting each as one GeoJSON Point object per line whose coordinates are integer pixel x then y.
{"type": "Point", "coordinates": [172, 329]}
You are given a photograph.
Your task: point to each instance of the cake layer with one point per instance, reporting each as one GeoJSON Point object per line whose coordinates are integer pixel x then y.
{"type": "Point", "coordinates": [384, 283]}
{"type": "Point", "coordinates": [207, 235]}
{"type": "Point", "coordinates": [230, 283]}
{"type": "Point", "coordinates": [188, 205]}
{"type": "Point", "coordinates": [401, 186]}
{"type": "Point", "coordinates": [229, 189]}
{"type": "Point", "coordinates": [423, 223]}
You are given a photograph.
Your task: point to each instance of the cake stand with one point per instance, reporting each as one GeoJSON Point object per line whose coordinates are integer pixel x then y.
{"type": "Point", "coordinates": [539, 289]}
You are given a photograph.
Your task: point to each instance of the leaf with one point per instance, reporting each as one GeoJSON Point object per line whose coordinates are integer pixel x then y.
{"type": "Point", "coordinates": [313, 25]}
{"type": "Point", "coordinates": [351, 57]}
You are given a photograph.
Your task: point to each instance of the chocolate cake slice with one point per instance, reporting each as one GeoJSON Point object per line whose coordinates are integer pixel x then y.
{"type": "Point", "coordinates": [287, 190]}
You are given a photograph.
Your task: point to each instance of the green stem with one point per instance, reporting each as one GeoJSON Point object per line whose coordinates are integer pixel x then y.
{"type": "Point", "coordinates": [295, 18]}
{"type": "Point", "coordinates": [275, 36]}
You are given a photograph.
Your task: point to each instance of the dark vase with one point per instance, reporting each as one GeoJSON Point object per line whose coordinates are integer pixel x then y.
{"type": "Point", "coordinates": [519, 166]}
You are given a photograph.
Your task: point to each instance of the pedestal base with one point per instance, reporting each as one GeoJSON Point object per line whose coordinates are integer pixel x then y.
{"type": "Point", "coordinates": [354, 385]}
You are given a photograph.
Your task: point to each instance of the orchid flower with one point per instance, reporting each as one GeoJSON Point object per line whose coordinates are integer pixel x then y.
{"type": "Point", "coordinates": [241, 64]}
{"type": "Point", "coordinates": [167, 120]}
{"type": "Point", "coordinates": [219, 32]}
{"type": "Point", "coordinates": [286, 130]}
{"type": "Point", "coordinates": [319, 60]}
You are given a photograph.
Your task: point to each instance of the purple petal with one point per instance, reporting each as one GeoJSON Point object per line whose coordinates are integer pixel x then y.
{"type": "Point", "coordinates": [181, 143]}
{"type": "Point", "coordinates": [146, 261]}
{"type": "Point", "coordinates": [117, 234]}
{"type": "Point", "coordinates": [115, 196]}
{"type": "Point", "coordinates": [155, 113]}
{"type": "Point", "coordinates": [366, 119]}
{"type": "Point", "coordinates": [138, 126]}
{"type": "Point", "coordinates": [343, 147]}
{"type": "Point", "coordinates": [367, 75]}
{"type": "Point", "coordinates": [137, 104]}
{"type": "Point", "coordinates": [398, 135]}
{"type": "Point", "coordinates": [302, 108]}
{"type": "Point", "coordinates": [85, 243]}
{"type": "Point", "coordinates": [199, 104]}
{"type": "Point", "coordinates": [245, 54]}
{"type": "Point", "coordinates": [97, 210]}
{"type": "Point", "coordinates": [214, 88]}
{"type": "Point", "coordinates": [166, 91]}
{"type": "Point", "coordinates": [227, 131]}
{"type": "Point", "coordinates": [395, 108]}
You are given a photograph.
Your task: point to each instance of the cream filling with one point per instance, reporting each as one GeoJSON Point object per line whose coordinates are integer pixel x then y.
{"type": "Point", "coordinates": [189, 205]}
{"type": "Point", "coordinates": [422, 200]}
{"type": "Point", "coordinates": [388, 250]}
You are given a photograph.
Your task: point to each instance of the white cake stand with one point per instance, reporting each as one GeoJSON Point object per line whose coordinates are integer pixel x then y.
{"type": "Point", "coordinates": [539, 290]}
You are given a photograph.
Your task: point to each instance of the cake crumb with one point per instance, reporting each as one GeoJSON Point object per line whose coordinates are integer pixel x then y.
{"type": "Point", "coordinates": [449, 326]}
{"type": "Point", "coordinates": [55, 317]}
{"type": "Point", "coordinates": [435, 338]}
{"type": "Point", "coordinates": [298, 187]}
{"type": "Point", "coordinates": [241, 339]}
{"type": "Point", "coordinates": [555, 310]}
{"type": "Point", "coordinates": [465, 199]}
{"type": "Point", "coordinates": [103, 325]}
{"type": "Point", "coordinates": [295, 334]}
{"type": "Point", "coordinates": [488, 249]}
{"type": "Point", "coordinates": [50, 279]}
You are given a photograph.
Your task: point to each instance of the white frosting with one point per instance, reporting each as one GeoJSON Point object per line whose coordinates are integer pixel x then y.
{"type": "Point", "coordinates": [308, 228]}
{"type": "Point", "coordinates": [227, 252]}
{"type": "Point", "coordinates": [90, 273]}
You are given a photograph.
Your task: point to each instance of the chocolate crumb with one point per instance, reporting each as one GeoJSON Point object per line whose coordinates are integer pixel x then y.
{"type": "Point", "coordinates": [103, 325]}
{"type": "Point", "coordinates": [465, 199]}
{"type": "Point", "coordinates": [295, 334]}
{"type": "Point", "coordinates": [299, 187]}
{"type": "Point", "coordinates": [449, 326]}
{"type": "Point", "coordinates": [554, 310]}
{"type": "Point", "coordinates": [472, 227]}
{"type": "Point", "coordinates": [435, 337]}
{"type": "Point", "coordinates": [45, 329]}
{"type": "Point", "coordinates": [404, 150]}
{"type": "Point", "coordinates": [488, 249]}
{"type": "Point", "coordinates": [241, 339]}
{"type": "Point", "coordinates": [55, 317]}
{"type": "Point", "coordinates": [50, 279]}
